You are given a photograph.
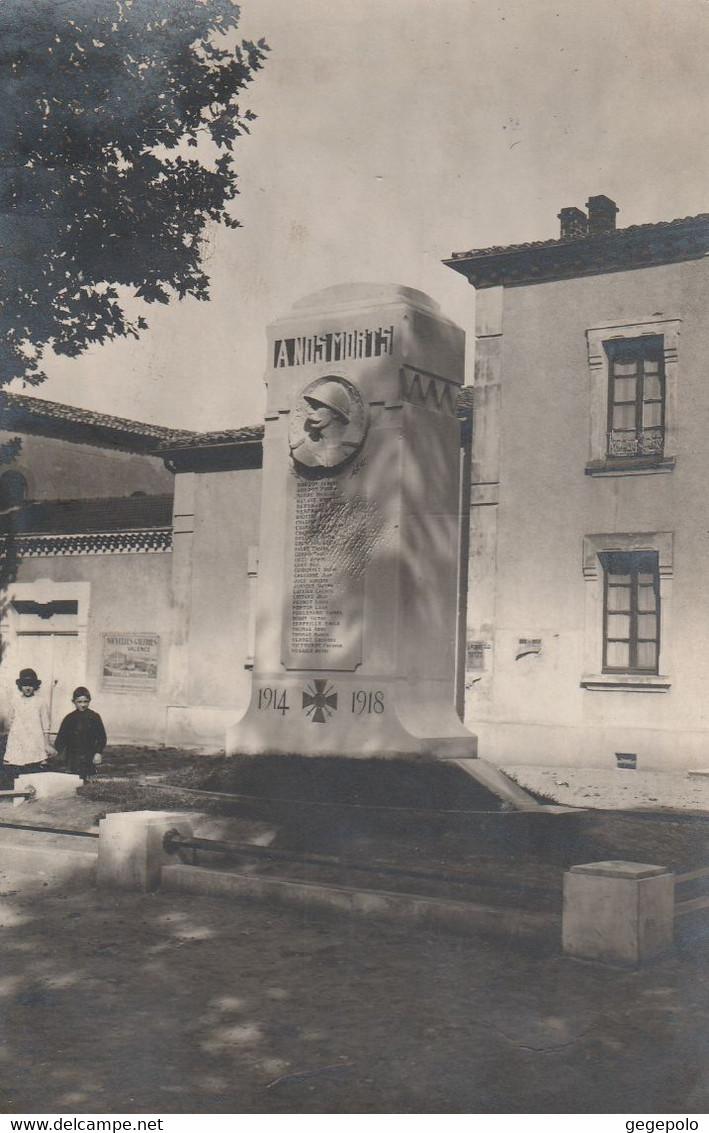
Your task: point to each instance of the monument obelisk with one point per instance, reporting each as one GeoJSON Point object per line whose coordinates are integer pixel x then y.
{"type": "Point", "coordinates": [358, 558]}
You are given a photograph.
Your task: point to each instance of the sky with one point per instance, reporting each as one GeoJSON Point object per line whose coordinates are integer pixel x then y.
{"type": "Point", "coordinates": [391, 133]}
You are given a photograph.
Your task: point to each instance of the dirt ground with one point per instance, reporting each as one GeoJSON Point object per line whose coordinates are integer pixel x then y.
{"type": "Point", "coordinates": [425, 814]}
{"type": "Point", "coordinates": [159, 1003]}
{"type": "Point", "coordinates": [427, 818]}
{"type": "Point", "coordinates": [162, 1004]}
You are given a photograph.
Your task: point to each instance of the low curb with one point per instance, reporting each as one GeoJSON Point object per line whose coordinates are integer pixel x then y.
{"type": "Point", "coordinates": [50, 863]}
{"type": "Point", "coordinates": [404, 908]}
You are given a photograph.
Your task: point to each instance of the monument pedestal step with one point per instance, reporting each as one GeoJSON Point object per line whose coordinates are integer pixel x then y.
{"type": "Point", "coordinates": [497, 782]}
{"type": "Point", "coordinates": [376, 904]}
{"type": "Point", "coordinates": [49, 859]}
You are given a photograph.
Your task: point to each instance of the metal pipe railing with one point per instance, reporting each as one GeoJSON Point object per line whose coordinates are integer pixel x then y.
{"type": "Point", "coordinates": [28, 793]}
{"type": "Point", "coordinates": [225, 796]}
{"type": "Point", "coordinates": [693, 875]}
{"type": "Point", "coordinates": [173, 841]}
{"type": "Point", "coordinates": [49, 830]}
{"type": "Point", "coordinates": [693, 904]}
{"type": "Point", "coordinates": [691, 817]}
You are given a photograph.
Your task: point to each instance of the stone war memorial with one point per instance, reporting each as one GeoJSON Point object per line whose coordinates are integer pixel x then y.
{"type": "Point", "coordinates": [358, 561]}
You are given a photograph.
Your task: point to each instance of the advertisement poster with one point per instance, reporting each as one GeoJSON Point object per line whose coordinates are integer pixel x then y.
{"type": "Point", "coordinates": [130, 662]}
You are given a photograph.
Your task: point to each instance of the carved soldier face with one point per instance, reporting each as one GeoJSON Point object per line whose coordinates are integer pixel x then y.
{"type": "Point", "coordinates": [328, 424]}
{"type": "Point", "coordinates": [321, 416]}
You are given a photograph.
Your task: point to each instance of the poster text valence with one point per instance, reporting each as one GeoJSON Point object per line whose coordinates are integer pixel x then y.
{"type": "Point", "coordinates": [130, 662]}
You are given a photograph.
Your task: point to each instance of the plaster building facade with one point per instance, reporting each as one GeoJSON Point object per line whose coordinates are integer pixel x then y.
{"type": "Point", "coordinates": [136, 551]}
{"type": "Point", "coordinates": [104, 590]}
{"type": "Point", "coordinates": [588, 612]}
{"type": "Point", "coordinates": [583, 582]}
{"type": "Point", "coordinates": [87, 517]}
{"type": "Point", "coordinates": [217, 505]}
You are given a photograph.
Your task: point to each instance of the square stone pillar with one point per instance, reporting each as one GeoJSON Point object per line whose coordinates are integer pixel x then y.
{"type": "Point", "coordinates": [130, 848]}
{"type": "Point", "coordinates": [360, 530]}
{"type": "Point", "coordinates": [618, 912]}
{"type": "Point", "coordinates": [47, 785]}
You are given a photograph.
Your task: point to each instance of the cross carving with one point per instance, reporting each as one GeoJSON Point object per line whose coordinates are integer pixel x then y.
{"type": "Point", "coordinates": [320, 701]}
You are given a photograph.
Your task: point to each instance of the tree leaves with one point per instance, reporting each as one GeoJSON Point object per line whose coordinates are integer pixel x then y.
{"type": "Point", "coordinates": [101, 102]}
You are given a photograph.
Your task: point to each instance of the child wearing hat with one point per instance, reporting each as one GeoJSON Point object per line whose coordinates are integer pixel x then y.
{"type": "Point", "coordinates": [81, 737]}
{"type": "Point", "coordinates": [28, 738]}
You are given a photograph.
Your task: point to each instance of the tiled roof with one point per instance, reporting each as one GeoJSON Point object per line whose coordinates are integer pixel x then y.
{"type": "Point", "coordinates": [255, 432]}
{"type": "Point", "coordinates": [633, 229]}
{"type": "Point", "coordinates": [219, 437]}
{"type": "Point", "coordinates": [108, 514]}
{"type": "Point", "coordinates": [21, 413]}
{"type": "Point", "coordinates": [98, 543]}
{"type": "Point", "coordinates": [640, 245]}
{"type": "Point", "coordinates": [183, 448]}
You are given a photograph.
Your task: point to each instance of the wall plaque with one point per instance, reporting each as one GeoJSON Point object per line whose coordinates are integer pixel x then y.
{"type": "Point", "coordinates": [130, 662]}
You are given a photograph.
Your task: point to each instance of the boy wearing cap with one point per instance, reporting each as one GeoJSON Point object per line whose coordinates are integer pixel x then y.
{"type": "Point", "coordinates": [81, 737]}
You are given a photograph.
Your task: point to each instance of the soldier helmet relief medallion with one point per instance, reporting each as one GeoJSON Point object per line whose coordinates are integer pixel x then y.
{"type": "Point", "coordinates": [328, 424]}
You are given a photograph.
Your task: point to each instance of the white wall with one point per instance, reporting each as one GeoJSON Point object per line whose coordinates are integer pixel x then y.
{"type": "Point", "coordinates": [534, 708]}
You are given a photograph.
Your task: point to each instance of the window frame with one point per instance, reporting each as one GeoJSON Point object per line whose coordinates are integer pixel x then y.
{"type": "Point", "coordinates": [642, 350]}
{"type": "Point", "coordinates": [603, 344]}
{"type": "Point", "coordinates": [635, 567]}
{"type": "Point", "coordinates": [596, 549]}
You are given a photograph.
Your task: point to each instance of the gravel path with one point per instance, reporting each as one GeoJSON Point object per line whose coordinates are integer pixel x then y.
{"type": "Point", "coordinates": [615, 790]}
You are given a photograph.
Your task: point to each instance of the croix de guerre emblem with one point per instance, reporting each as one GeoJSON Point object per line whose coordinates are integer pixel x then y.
{"type": "Point", "coordinates": [320, 701]}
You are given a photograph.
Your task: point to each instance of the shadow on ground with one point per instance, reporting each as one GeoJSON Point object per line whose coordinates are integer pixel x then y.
{"type": "Point", "coordinates": [158, 1003]}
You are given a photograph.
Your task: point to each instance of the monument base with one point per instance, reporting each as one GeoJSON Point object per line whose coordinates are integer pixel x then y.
{"type": "Point", "coordinates": [339, 715]}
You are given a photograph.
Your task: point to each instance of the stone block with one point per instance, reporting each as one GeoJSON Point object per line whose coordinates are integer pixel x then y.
{"type": "Point", "coordinates": [47, 785]}
{"type": "Point", "coordinates": [618, 912]}
{"type": "Point", "coordinates": [130, 849]}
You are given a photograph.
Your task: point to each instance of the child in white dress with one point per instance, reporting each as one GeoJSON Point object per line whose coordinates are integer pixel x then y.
{"type": "Point", "coordinates": [28, 739]}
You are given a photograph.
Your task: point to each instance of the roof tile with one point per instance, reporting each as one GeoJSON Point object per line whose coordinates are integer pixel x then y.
{"type": "Point", "coordinates": [657, 228]}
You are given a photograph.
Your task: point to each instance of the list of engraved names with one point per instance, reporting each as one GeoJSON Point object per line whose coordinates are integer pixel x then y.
{"type": "Point", "coordinates": [317, 615]}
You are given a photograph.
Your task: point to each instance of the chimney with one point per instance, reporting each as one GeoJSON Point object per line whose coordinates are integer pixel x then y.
{"type": "Point", "coordinates": [573, 223]}
{"type": "Point", "coordinates": [601, 214]}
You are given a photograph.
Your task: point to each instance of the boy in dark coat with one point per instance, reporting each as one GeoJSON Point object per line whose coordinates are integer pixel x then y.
{"type": "Point", "coordinates": [81, 737]}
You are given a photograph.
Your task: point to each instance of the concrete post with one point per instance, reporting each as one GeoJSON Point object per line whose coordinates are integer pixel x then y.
{"type": "Point", "coordinates": [47, 785]}
{"type": "Point", "coordinates": [618, 912]}
{"type": "Point", "coordinates": [130, 848]}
